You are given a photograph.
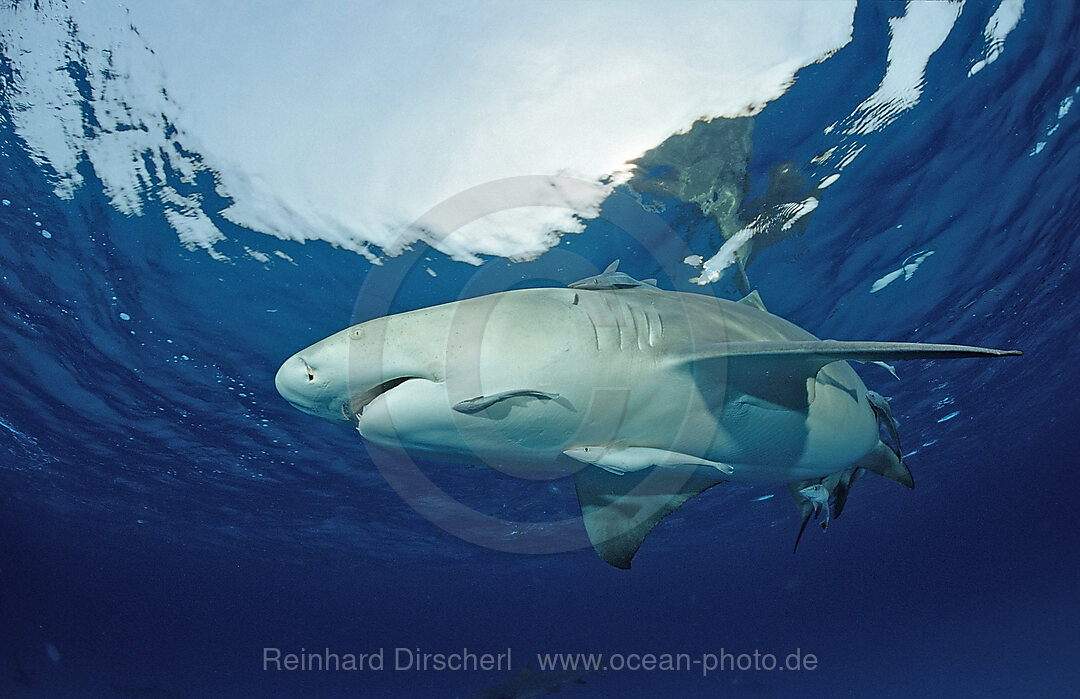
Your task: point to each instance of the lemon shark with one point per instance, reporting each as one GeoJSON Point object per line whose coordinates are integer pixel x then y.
{"type": "Point", "coordinates": [646, 396]}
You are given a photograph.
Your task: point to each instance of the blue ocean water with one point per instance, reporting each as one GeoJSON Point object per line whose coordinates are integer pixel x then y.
{"type": "Point", "coordinates": [165, 516]}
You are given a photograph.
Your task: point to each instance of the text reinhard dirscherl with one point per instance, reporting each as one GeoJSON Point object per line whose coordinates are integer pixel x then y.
{"type": "Point", "coordinates": [416, 660]}
{"type": "Point", "coordinates": [403, 659]}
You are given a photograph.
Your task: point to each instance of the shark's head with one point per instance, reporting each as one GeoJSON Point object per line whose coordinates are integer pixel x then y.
{"type": "Point", "coordinates": [340, 377]}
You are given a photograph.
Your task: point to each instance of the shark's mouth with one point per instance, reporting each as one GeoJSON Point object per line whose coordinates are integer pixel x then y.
{"type": "Point", "coordinates": [353, 408]}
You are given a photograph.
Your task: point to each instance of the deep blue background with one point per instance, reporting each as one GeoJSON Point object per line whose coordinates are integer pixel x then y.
{"type": "Point", "coordinates": [164, 515]}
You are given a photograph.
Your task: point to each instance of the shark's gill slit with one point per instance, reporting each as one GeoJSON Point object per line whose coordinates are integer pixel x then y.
{"type": "Point", "coordinates": [595, 332]}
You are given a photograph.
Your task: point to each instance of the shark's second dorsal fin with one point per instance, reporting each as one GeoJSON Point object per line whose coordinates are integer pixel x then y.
{"type": "Point", "coordinates": [620, 511]}
{"type": "Point", "coordinates": [754, 299]}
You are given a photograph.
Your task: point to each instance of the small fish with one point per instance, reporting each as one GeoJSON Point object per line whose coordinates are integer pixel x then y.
{"type": "Point", "coordinates": [611, 279]}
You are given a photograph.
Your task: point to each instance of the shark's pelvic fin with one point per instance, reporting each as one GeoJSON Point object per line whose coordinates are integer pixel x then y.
{"type": "Point", "coordinates": [884, 461]}
{"type": "Point", "coordinates": [880, 405]}
{"type": "Point", "coordinates": [475, 405]}
{"type": "Point", "coordinates": [620, 511]}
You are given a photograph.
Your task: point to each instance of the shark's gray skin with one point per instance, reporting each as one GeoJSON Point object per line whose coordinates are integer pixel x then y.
{"type": "Point", "coordinates": [707, 389]}
{"type": "Point", "coordinates": [611, 279]}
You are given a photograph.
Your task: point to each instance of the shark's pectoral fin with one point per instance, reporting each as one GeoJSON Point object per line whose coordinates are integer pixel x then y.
{"type": "Point", "coordinates": [620, 511]}
{"type": "Point", "coordinates": [817, 353]}
{"type": "Point", "coordinates": [780, 373]}
{"type": "Point", "coordinates": [475, 405]}
{"type": "Point", "coordinates": [805, 358]}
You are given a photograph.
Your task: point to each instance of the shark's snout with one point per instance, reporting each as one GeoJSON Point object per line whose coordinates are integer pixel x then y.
{"type": "Point", "coordinates": [298, 382]}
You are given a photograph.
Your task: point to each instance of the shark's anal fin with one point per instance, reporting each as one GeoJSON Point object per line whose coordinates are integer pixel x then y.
{"type": "Point", "coordinates": [475, 405]}
{"type": "Point", "coordinates": [620, 511]}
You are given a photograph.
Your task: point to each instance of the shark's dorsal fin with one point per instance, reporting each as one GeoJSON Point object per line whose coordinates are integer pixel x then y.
{"type": "Point", "coordinates": [754, 299]}
{"type": "Point", "coordinates": [620, 511]}
{"type": "Point", "coordinates": [612, 267]}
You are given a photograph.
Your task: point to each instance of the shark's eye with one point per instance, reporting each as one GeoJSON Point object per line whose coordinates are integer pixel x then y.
{"type": "Point", "coordinates": [357, 333]}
